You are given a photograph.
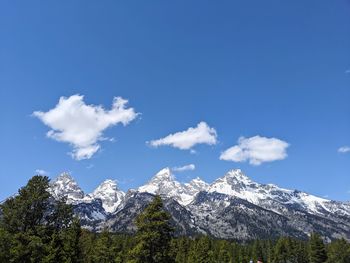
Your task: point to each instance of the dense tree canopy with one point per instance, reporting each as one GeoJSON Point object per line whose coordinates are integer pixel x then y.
{"type": "Point", "coordinates": [153, 235]}
{"type": "Point", "coordinates": [36, 228]}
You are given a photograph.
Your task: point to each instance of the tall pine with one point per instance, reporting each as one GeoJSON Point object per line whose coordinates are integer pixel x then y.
{"type": "Point", "coordinates": [317, 249]}
{"type": "Point", "coordinates": [153, 235]}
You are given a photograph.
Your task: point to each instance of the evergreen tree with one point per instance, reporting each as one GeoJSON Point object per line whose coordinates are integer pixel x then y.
{"type": "Point", "coordinates": [258, 253]}
{"type": "Point", "coordinates": [180, 249]}
{"type": "Point", "coordinates": [201, 251]}
{"type": "Point", "coordinates": [87, 246]}
{"type": "Point", "coordinates": [300, 252]}
{"type": "Point", "coordinates": [281, 253]}
{"type": "Point", "coordinates": [317, 249]}
{"type": "Point", "coordinates": [224, 253]}
{"type": "Point", "coordinates": [339, 251]}
{"type": "Point", "coordinates": [103, 251]}
{"type": "Point", "coordinates": [5, 245]}
{"type": "Point", "coordinates": [153, 235]}
{"type": "Point", "coordinates": [26, 211]}
{"type": "Point", "coordinates": [38, 228]}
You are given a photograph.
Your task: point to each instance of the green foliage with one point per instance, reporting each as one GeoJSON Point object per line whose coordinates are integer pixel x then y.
{"type": "Point", "coordinates": [153, 235]}
{"type": "Point", "coordinates": [103, 248]}
{"type": "Point", "coordinates": [201, 251]}
{"type": "Point", "coordinates": [339, 252]}
{"type": "Point", "coordinates": [35, 228]}
{"type": "Point", "coordinates": [317, 249]}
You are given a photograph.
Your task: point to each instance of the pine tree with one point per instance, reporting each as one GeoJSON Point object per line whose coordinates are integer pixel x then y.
{"type": "Point", "coordinates": [258, 253]}
{"type": "Point", "coordinates": [281, 252]}
{"type": "Point", "coordinates": [339, 251]}
{"type": "Point", "coordinates": [40, 228]}
{"type": "Point", "coordinates": [153, 235]}
{"type": "Point", "coordinates": [201, 251]}
{"type": "Point", "coordinates": [224, 255]}
{"type": "Point", "coordinates": [317, 249]}
{"type": "Point", "coordinates": [5, 245]}
{"type": "Point", "coordinates": [103, 252]}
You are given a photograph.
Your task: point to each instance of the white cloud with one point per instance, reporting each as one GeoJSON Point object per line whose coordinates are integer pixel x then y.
{"type": "Point", "coordinates": [185, 140]}
{"type": "Point", "coordinates": [347, 71]}
{"type": "Point", "coordinates": [82, 125]}
{"type": "Point", "coordinates": [188, 167]}
{"type": "Point", "coordinates": [344, 149]}
{"type": "Point", "coordinates": [256, 150]}
{"type": "Point", "coordinates": [41, 172]}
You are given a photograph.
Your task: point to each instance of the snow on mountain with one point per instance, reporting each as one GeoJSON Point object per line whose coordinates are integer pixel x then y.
{"type": "Point", "coordinates": [235, 183]}
{"type": "Point", "coordinates": [65, 186]}
{"type": "Point", "coordinates": [195, 186]}
{"type": "Point", "coordinates": [233, 206]}
{"type": "Point", "coordinates": [164, 184]}
{"type": "Point", "coordinates": [109, 194]}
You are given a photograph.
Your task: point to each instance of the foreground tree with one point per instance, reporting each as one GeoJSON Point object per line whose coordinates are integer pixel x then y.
{"type": "Point", "coordinates": [339, 251]}
{"type": "Point", "coordinates": [153, 235]}
{"type": "Point", "coordinates": [317, 249]}
{"type": "Point", "coordinates": [36, 227]}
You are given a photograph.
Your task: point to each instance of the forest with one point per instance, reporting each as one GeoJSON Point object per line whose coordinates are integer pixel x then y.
{"type": "Point", "coordinates": [34, 227]}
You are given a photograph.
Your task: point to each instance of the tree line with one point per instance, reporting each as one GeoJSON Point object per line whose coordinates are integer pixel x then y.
{"type": "Point", "coordinates": [34, 227]}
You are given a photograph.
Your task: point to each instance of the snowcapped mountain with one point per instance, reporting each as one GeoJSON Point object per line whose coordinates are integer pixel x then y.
{"type": "Point", "coordinates": [65, 186]}
{"type": "Point", "coordinates": [105, 199]}
{"type": "Point", "coordinates": [164, 184]}
{"type": "Point", "coordinates": [233, 206]}
{"type": "Point", "coordinates": [270, 196]}
{"type": "Point", "coordinates": [195, 186]}
{"type": "Point", "coordinates": [109, 194]}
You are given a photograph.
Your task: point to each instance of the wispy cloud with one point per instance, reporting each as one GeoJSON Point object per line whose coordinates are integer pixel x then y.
{"type": "Point", "coordinates": [188, 167]}
{"type": "Point", "coordinates": [90, 166]}
{"type": "Point", "coordinates": [344, 149]}
{"type": "Point", "coordinates": [347, 71]}
{"type": "Point", "coordinates": [41, 172]}
{"type": "Point", "coordinates": [185, 140]}
{"type": "Point", "coordinates": [256, 150]}
{"type": "Point", "coordinates": [81, 125]}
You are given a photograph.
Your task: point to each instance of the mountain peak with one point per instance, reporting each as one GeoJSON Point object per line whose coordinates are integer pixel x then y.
{"type": "Point", "coordinates": [165, 173]}
{"type": "Point", "coordinates": [65, 186]}
{"type": "Point", "coordinates": [108, 184]}
{"type": "Point", "coordinates": [64, 176]}
{"type": "Point", "coordinates": [198, 184]}
{"type": "Point", "coordinates": [161, 180]}
{"type": "Point", "coordinates": [237, 176]}
{"type": "Point", "coordinates": [109, 194]}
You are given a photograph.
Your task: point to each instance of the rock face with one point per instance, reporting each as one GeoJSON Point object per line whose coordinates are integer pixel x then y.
{"type": "Point", "coordinates": [65, 186]}
{"type": "Point", "coordinates": [232, 207]}
{"type": "Point", "coordinates": [164, 184]}
{"type": "Point", "coordinates": [109, 194]}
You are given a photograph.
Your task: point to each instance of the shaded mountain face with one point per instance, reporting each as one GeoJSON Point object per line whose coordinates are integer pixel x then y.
{"type": "Point", "coordinates": [94, 208]}
{"type": "Point", "coordinates": [233, 207]}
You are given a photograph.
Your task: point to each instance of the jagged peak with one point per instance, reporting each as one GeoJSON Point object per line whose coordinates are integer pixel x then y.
{"type": "Point", "coordinates": [64, 176]}
{"type": "Point", "coordinates": [238, 175]}
{"type": "Point", "coordinates": [197, 181]}
{"type": "Point", "coordinates": [109, 182]}
{"type": "Point", "coordinates": [164, 173]}
{"type": "Point", "coordinates": [107, 185]}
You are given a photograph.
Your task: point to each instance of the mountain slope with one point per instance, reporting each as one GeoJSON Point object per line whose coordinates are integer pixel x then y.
{"type": "Point", "coordinates": [164, 184]}
{"type": "Point", "coordinates": [233, 207]}
{"type": "Point", "coordinates": [109, 194]}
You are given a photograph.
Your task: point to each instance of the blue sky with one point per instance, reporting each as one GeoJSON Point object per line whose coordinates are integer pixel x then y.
{"type": "Point", "coordinates": [274, 69]}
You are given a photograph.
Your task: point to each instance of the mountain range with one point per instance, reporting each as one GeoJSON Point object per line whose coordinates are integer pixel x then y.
{"type": "Point", "coordinates": [231, 207]}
